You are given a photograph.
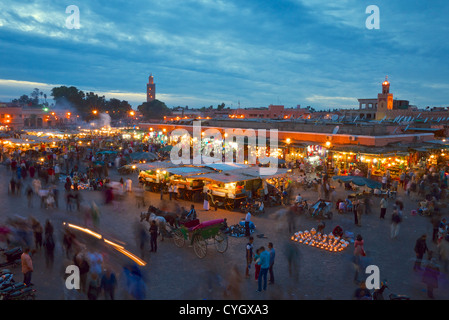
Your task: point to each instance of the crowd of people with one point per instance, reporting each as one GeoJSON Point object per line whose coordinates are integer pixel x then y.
{"type": "Point", "coordinates": [42, 174]}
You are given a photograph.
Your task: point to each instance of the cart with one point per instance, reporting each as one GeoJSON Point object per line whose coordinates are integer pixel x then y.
{"type": "Point", "coordinates": [200, 234]}
{"type": "Point", "coordinates": [321, 209]}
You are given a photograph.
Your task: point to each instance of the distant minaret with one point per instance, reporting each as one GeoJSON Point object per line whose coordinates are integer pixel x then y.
{"type": "Point", "coordinates": [151, 89]}
{"type": "Point", "coordinates": [384, 100]}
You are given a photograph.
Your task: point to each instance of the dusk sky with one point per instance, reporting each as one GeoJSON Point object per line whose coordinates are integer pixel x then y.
{"type": "Point", "coordinates": [205, 52]}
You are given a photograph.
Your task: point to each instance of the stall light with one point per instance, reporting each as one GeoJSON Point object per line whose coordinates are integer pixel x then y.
{"type": "Point", "coordinates": [328, 144]}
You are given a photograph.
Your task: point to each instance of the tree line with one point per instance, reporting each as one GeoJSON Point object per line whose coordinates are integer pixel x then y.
{"type": "Point", "coordinates": [88, 105]}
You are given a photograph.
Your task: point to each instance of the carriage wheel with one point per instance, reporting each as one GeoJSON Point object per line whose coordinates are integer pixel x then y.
{"type": "Point", "coordinates": [199, 246]}
{"type": "Point", "coordinates": [221, 242]}
{"type": "Point", "coordinates": [179, 239]}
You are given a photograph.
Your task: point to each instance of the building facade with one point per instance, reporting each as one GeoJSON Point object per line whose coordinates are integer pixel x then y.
{"type": "Point", "coordinates": [272, 112]}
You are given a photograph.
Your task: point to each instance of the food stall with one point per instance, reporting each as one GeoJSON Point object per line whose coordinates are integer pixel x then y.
{"type": "Point", "coordinates": [226, 189]}
{"type": "Point", "coordinates": [188, 182]}
{"type": "Point", "coordinates": [153, 175]}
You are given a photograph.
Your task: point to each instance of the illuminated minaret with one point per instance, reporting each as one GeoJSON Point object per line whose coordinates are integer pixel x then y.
{"type": "Point", "coordinates": [384, 100]}
{"type": "Point", "coordinates": [151, 89]}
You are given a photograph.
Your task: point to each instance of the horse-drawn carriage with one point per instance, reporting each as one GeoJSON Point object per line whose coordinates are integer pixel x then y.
{"type": "Point", "coordinates": [200, 234]}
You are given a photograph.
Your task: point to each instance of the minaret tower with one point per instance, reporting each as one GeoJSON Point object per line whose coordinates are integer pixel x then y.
{"type": "Point", "coordinates": [151, 89]}
{"type": "Point", "coordinates": [384, 100]}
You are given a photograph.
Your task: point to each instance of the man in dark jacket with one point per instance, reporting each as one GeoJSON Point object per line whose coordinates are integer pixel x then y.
{"type": "Point", "coordinates": [420, 250]}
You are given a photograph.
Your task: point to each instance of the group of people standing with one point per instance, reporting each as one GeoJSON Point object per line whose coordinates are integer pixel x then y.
{"type": "Point", "coordinates": [263, 260]}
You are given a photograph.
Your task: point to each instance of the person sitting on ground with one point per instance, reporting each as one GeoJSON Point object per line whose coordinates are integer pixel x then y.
{"type": "Point", "coordinates": [321, 226]}
{"type": "Point", "coordinates": [338, 231]}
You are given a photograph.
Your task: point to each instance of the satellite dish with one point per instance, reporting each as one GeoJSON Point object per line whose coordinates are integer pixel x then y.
{"type": "Point", "coordinates": [356, 118]}
{"type": "Point", "coordinates": [335, 117]}
{"type": "Point", "coordinates": [336, 130]}
{"type": "Point", "coordinates": [395, 119]}
{"type": "Point", "coordinates": [406, 128]}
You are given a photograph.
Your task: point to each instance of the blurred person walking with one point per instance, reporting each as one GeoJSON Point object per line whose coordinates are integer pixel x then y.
{"type": "Point", "coordinates": [359, 253]}
{"type": "Point", "coordinates": [108, 284]}
{"type": "Point", "coordinates": [153, 236]}
{"type": "Point", "coordinates": [257, 264]}
{"type": "Point", "coordinates": [37, 231]}
{"type": "Point", "coordinates": [383, 206]}
{"type": "Point", "coordinates": [359, 212]}
{"type": "Point", "coordinates": [249, 255]}
{"type": "Point", "coordinates": [27, 266]}
{"type": "Point", "coordinates": [272, 257]}
{"type": "Point", "coordinates": [395, 222]}
{"type": "Point", "coordinates": [141, 238]}
{"type": "Point", "coordinates": [49, 247]}
{"type": "Point", "coordinates": [80, 261]}
{"type": "Point", "coordinates": [94, 287]}
{"type": "Point", "coordinates": [430, 277]}
{"type": "Point", "coordinates": [232, 289]}
{"type": "Point", "coordinates": [420, 249]}
{"type": "Point", "coordinates": [443, 250]}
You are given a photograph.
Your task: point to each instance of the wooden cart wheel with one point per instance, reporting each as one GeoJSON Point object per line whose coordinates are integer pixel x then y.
{"type": "Point", "coordinates": [199, 246]}
{"type": "Point", "coordinates": [179, 239]}
{"type": "Point", "coordinates": [221, 242]}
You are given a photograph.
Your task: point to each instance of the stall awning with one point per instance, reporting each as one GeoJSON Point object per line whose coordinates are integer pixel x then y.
{"type": "Point", "coordinates": [155, 165]}
{"type": "Point", "coordinates": [188, 171]}
{"type": "Point", "coordinates": [226, 177]}
{"type": "Point", "coordinates": [227, 166]}
{"type": "Point", "coordinates": [360, 181]}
